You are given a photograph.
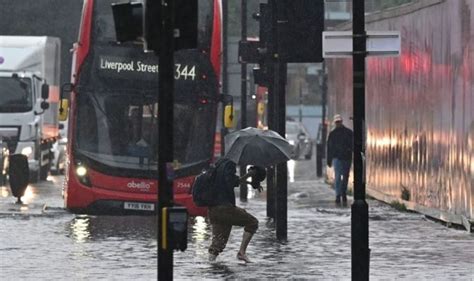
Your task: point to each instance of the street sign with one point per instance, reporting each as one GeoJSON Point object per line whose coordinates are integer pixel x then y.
{"type": "Point", "coordinates": [338, 44]}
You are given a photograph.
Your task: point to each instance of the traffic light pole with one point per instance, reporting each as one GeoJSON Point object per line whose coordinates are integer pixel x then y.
{"type": "Point", "coordinates": [225, 63]}
{"type": "Point", "coordinates": [360, 211]}
{"type": "Point", "coordinates": [321, 147]}
{"type": "Point", "coordinates": [243, 94]}
{"type": "Point", "coordinates": [271, 177]}
{"type": "Point", "coordinates": [281, 206]}
{"type": "Point", "coordinates": [165, 133]}
{"type": "Point", "coordinates": [279, 84]}
{"type": "Point", "coordinates": [324, 113]}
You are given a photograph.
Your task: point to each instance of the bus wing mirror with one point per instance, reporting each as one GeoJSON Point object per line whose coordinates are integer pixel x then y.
{"type": "Point", "coordinates": [229, 116]}
{"type": "Point", "coordinates": [66, 88]}
{"type": "Point", "coordinates": [45, 91]}
{"type": "Point", "coordinates": [63, 109]}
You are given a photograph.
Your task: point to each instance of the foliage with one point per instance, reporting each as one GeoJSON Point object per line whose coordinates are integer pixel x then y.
{"type": "Point", "coordinates": [399, 206]}
{"type": "Point", "coordinates": [405, 193]}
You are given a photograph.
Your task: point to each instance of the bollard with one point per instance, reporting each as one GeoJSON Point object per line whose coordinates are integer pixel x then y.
{"type": "Point", "coordinates": [19, 174]}
{"type": "Point", "coordinates": [3, 162]}
{"type": "Point", "coordinates": [319, 160]}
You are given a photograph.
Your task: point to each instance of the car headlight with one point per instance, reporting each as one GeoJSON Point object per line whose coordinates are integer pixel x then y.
{"type": "Point", "coordinates": [27, 151]}
{"type": "Point", "coordinates": [292, 142]}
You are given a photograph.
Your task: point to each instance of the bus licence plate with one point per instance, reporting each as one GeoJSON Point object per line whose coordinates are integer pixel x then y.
{"type": "Point", "coordinates": [139, 206]}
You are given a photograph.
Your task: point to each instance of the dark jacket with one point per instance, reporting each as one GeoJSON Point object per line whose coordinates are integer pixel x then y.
{"type": "Point", "coordinates": [226, 181]}
{"type": "Point", "coordinates": [340, 144]}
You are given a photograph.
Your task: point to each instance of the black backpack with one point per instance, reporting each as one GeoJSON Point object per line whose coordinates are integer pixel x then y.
{"type": "Point", "coordinates": [204, 190]}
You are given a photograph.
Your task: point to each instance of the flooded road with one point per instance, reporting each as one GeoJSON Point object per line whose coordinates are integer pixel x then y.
{"type": "Point", "coordinates": [68, 247]}
{"type": "Point", "coordinates": [47, 243]}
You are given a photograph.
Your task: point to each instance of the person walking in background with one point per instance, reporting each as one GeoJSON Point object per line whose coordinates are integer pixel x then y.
{"type": "Point", "coordinates": [225, 214]}
{"type": "Point", "coordinates": [339, 155]}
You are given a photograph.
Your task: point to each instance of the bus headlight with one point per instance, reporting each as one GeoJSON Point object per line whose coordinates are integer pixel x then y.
{"type": "Point", "coordinates": [82, 175]}
{"type": "Point", "coordinates": [27, 151]}
{"type": "Point", "coordinates": [81, 171]}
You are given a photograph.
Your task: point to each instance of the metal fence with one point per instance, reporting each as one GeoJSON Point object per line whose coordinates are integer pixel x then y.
{"type": "Point", "coordinates": [419, 108]}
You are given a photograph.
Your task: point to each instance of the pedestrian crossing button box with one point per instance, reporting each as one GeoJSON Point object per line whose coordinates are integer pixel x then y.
{"type": "Point", "coordinates": [178, 228]}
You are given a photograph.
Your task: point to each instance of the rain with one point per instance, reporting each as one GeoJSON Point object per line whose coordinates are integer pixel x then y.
{"type": "Point", "coordinates": [96, 175]}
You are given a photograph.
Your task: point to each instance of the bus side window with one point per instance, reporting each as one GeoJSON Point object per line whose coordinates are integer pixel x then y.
{"type": "Point", "coordinates": [87, 126]}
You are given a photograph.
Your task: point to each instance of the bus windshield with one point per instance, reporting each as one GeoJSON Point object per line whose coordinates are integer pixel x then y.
{"type": "Point", "coordinates": [120, 130]}
{"type": "Point", "coordinates": [15, 94]}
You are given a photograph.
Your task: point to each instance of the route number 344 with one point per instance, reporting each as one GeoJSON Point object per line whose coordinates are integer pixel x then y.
{"type": "Point", "coordinates": [184, 72]}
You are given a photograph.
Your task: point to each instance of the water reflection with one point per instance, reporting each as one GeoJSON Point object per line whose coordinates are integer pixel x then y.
{"type": "Point", "coordinates": [291, 170]}
{"type": "Point", "coordinates": [28, 197]}
{"type": "Point", "coordinates": [80, 229]}
{"type": "Point", "coordinates": [4, 191]}
{"type": "Point", "coordinates": [85, 228]}
{"type": "Point", "coordinates": [200, 228]}
{"type": "Point", "coordinates": [30, 194]}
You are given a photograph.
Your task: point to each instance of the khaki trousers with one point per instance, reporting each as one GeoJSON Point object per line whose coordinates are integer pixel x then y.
{"type": "Point", "coordinates": [222, 219]}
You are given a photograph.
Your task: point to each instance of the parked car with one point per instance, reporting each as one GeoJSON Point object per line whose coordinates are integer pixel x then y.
{"type": "Point", "coordinates": [298, 136]}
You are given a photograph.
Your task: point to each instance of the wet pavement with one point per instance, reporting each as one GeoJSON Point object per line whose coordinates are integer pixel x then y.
{"type": "Point", "coordinates": [41, 241]}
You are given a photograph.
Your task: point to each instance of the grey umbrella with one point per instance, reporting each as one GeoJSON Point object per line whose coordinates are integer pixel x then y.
{"type": "Point", "coordinates": [252, 146]}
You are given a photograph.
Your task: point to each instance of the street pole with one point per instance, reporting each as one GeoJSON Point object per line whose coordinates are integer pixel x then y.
{"type": "Point", "coordinates": [281, 205]}
{"type": "Point", "coordinates": [272, 124]}
{"type": "Point", "coordinates": [321, 147]}
{"type": "Point", "coordinates": [225, 62]}
{"type": "Point", "coordinates": [279, 82]}
{"type": "Point", "coordinates": [360, 210]}
{"type": "Point", "coordinates": [271, 179]}
{"type": "Point", "coordinates": [300, 110]}
{"type": "Point", "coordinates": [324, 103]}
{"type": "Point", "coordinates": [165, 133]}
{"type": "Point", "coordinates": [243, 95]}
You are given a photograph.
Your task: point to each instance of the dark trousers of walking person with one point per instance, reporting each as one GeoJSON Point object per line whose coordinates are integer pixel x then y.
{"type": "Point", "coordinates": [222, 219]}
{"type": "Point", "coordinates": [342, 169]}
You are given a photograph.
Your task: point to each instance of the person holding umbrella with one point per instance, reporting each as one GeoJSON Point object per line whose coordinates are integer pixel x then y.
{"type": "Point", "coordinates": [249, 146]}
{"type": "Point", "coordinates": [225, 214]}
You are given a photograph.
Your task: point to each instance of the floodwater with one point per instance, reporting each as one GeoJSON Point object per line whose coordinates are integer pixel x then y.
{"type": "Point", "coordinates": [56, 245]}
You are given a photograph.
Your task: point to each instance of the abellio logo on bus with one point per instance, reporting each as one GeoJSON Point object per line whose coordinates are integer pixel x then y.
{"type": "Point", "coordinates": [139, 185]}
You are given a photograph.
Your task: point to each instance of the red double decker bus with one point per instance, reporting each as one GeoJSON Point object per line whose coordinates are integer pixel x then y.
{"type": "Point", "coordinates": [113, 115]}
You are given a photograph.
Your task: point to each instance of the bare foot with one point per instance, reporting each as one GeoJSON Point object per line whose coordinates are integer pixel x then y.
{"type": "Point", "coordinates": [212, 257]}
{"type": "Point", "coordinates": [243, 257]}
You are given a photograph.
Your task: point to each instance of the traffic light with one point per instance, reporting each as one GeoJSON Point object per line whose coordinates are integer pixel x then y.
{"type": "Point", "coordinates": [128, 21]}
{"type": "Point", "coordinates": [140, 21]}
{"type": "Point", "coordinates": [261, 75]}
{"type": "Point", "coordinates": [300, 22]}
{"type": "Point", "coordinates": [249, 51]}
{"type": "Point", "coordinates": [185, 24]}
{"type": "Point", "coordinates": [258, 51]}
{"type": "Point", "coordinates": [265, 18]}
